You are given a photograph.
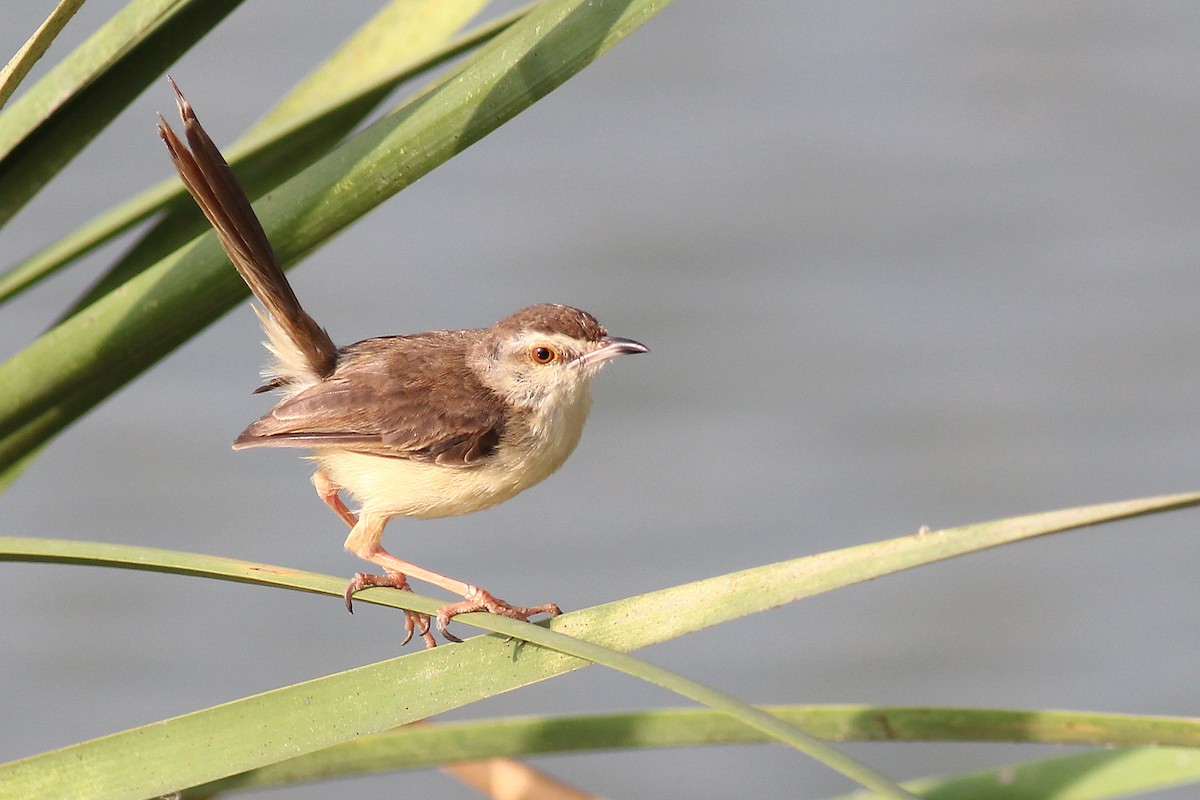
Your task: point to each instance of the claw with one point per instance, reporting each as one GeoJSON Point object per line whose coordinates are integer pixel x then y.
{"type": "Point", "coordinates": [413, 622]}
{"type": "Point", "coordinates": [417, 623]}
{"type": "Point", "coordinates": [363, 580]}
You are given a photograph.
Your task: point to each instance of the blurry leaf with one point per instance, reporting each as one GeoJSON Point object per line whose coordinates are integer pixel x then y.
{"type": "Point", "coordinates": [34, 48]}
{"type": "Point", "coordinates": [48, 125]}
{"type": "Point", "coordinates": [1084, 776]}
{"type": "Point", "coordinates": [262, 161]}
{"type": "Point", "coordinates": [430, 745]}
{"type": "Point", "coordinates": [81, 361]}
{"type": "Point", "coordinates": [311, 118]}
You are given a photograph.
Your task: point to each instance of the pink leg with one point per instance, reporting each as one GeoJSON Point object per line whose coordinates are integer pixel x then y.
{"type": "Point", "coordinates": [364, 542]}
{"type": "Point", "coordinates": [474, 598]}
{"type": "Point", "coordinates": [327, 490]}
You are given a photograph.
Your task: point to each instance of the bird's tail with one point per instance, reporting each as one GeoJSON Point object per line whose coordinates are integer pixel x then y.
{"type": "Point", "coordinates": [303, 350]}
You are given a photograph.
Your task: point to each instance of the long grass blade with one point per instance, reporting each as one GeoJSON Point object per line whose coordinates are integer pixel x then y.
{"type": "Point", "coordinates": [1083, 776]}
{"type": "Point", "coordinates": [314, 116]}
{"type": "Point", "coordinates": [51, 123]}
{"type": "Point", "coordinates": [80, 362]}
{"type": "Point", "coordinates": [256, 158]}
{"type": "Point", "coordinates": [647, 619]}
{"type": "Point", "coordinates": [430, 745]}
{"type": "Point", "coordinates": [34, 48]}
{"type": "Point", "coordinates": [475, 669]}
{"type": "Point", "coordinates": [249, 733]}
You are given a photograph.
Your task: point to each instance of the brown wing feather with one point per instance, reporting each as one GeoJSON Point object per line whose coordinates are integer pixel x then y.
{"type": "Point", "coordinates": [391, 396]}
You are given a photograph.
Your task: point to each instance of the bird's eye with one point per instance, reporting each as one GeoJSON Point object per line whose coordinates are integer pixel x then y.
{"type": "Point", "coordinates": [542, 354]}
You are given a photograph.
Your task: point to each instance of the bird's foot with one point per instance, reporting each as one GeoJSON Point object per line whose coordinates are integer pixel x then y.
{"type": "Point", "coordinates": [413, 622]}
{"type": "Point", "coordinates": [481, 600]}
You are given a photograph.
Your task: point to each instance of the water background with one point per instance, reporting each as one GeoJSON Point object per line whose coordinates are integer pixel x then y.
{"type": "Point", "coordinates": [899, 264]}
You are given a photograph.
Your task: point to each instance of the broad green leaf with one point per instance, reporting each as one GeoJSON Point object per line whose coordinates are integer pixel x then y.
{"type": "Point", "coordinates": [248, 733]}
{"type": "Point", "coordinates": [402, 31]}
{"type": "Point", "coordinates": [256, 161]}
{"type": "Point", "coordinates": [655, 617]}
{"type": "Point", "coordinates": [81, 361]}
{"type": "Point", "coordinates": [434, 744]}
{"type": "Point", "coordinates": [320, 713]}
{"type": "Point", "coordinates": [48, 125]}
{"type": "Point", "coordinates": [307, 122]}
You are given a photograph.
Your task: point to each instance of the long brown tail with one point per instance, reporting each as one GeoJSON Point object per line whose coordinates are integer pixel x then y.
{"type": "Point", "coordinates": [215, 189]}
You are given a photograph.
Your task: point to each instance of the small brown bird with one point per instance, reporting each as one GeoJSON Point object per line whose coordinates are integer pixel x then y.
{"type": "Point", "coordinates": [426, 425]}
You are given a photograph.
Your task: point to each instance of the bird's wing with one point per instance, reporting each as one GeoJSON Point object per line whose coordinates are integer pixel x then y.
{"type": "Point", "coordinates": [404, 397]}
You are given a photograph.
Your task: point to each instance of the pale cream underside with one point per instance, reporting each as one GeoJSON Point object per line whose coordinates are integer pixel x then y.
{"type": "Point", "coordinates": [390, 487]}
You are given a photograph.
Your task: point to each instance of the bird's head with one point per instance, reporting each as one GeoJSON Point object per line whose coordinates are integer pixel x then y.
{"type": "Point", "coordinates": [547, 353]}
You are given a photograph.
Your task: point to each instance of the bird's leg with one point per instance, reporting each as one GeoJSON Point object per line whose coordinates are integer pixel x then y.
{"type": "Point", "coordinates": [474, 598]}
{"type": "Point", "coordinates": [364, 543]}
{"type": "Point", "coordinates": [327, 490]}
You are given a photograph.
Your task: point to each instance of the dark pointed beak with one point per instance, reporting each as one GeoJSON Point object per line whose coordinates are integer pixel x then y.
{"type": "Point", "coordinates": [611, 347]}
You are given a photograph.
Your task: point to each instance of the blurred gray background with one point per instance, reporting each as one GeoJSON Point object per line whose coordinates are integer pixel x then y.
{"type": "Point", "coordinates": [899, 264]}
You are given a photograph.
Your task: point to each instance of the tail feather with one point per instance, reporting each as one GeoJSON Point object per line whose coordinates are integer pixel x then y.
{"type": "Point", "coordinates": [303, 350]}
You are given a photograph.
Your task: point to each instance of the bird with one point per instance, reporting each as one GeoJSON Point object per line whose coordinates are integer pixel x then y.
{"type": "Point", "coordinates": [423, 425]}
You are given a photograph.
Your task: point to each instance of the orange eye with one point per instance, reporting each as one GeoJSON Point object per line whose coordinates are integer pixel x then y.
{"type": "Point", "coordinates": [541, 354]}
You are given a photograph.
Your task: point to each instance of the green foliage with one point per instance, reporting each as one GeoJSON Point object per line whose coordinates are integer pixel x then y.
{"type": "Point", "coordinates": [176, 281]}
{"type": "Point", "coordinates": [305, 718]}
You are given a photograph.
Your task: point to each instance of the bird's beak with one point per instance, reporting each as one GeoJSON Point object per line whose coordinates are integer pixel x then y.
{"type": "Point", "coordinates": [610, 348]}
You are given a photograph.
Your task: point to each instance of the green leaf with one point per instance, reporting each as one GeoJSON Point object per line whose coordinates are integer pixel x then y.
{"type": "Point", "coordinates": [655, 617]}
{"type": "Point", "coordinates": [1084, 776]}
{"type": "Point", "coordinates": [456, 742]}
{"type": "Point", "coordinates": [258, 730]}
{"type": "Point", "coordinates": [257, 159]}
{"type": "Point", "coordinates": [35, 47]}
{"type": "Point", "coordinates": [286, 730]}
{"type": "Point", "coordinates": [402, 31]}
{"type": "Point", "coordinates": [48, 125]}
{"type": "Point", "coordinates": [81, 361]}
{"type": "Point", "coordinates": [313, 117]}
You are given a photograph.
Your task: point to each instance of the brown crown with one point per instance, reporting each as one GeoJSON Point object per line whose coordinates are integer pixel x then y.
{"type": "Point", "coordinates": [554, 318]}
